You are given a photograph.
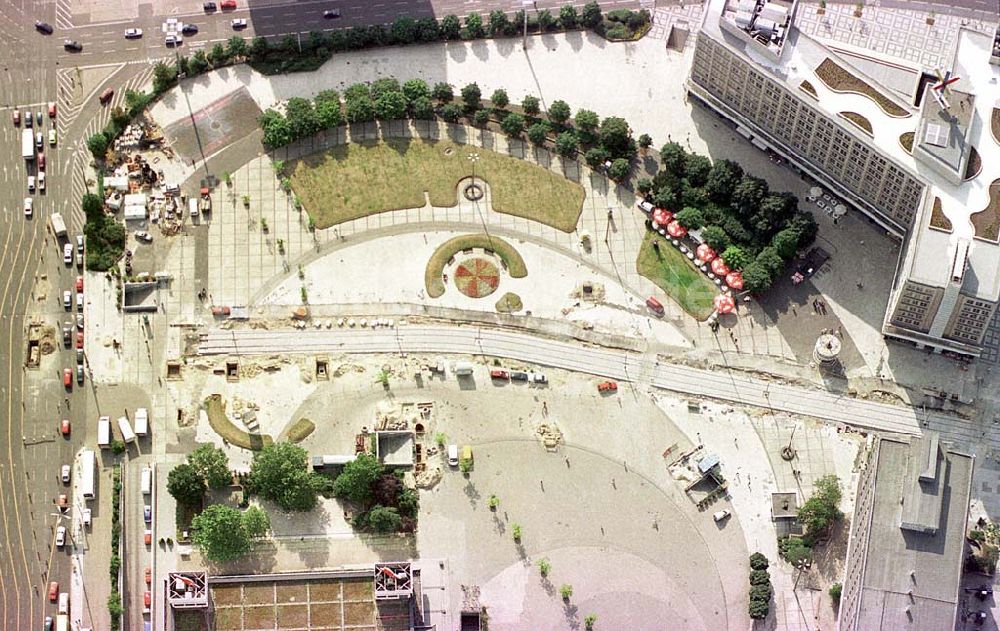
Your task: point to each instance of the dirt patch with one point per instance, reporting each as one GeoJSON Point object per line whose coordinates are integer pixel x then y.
{"type": "Point", "coordinates": [259, 617]}
{"type": "Point", "coordinates": [863, 123]}
{"type": "Point", "coordinates": [808, 88]}
{"type": "Point", "coordinates": [975, 164]}
{"type": "Point", "coordinates": [324, 591]}
{"type": "Point", "coordinates": [357, 590]}
{"type": "Point", "coordinates": [987, 221]}
{"type": "Point", "coordinates": [227, 595]}
{"type": "Point", "coordinates": [292, 592]}
{"type": "Point", "coordinates": [293, 616]}
{"type": "Point", "coordinates": [230, 619]}
{"type": "Point", "coordinates": [550, 435]}
{"type": "Point", "coordinates": [995, 124]}
{"type": "Point", "coordinates": [300, 430]}
{"type": "Point", "coordinates": [219, 420]}
{"type": "Point", "coordinates": [938, 219]}
{"type": "Point", "coordinates": [326, 611]}
{"type": "Point", "coordinates": [839, 79]}
{"type": "Point", "coordinates": [357, 614]}
{"type": "Point", "coordinates": [258, 594]}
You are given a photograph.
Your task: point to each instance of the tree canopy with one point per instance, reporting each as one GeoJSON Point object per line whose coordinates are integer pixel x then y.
{"type": "Point", "coordinates": [280, 472]}
{"type": "Point", "coordinates": [822, 509]}
{"type": "Point", "coordinates": [355, 481]}
{"type": "Point", "coordinates": [213, 465]}
{"type": "Point", "coordinates": [186, 485]}
{"type": "Point", "coordinates": [223, 533]}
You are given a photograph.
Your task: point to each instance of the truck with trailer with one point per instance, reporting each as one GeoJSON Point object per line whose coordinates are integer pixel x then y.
{"type": "Point", "coordinates": [58, 225]}
{"type": "Point", "coordinates": [27, 144]}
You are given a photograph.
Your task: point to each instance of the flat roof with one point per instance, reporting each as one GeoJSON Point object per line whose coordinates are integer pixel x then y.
{"type": "Point", "coordinates": [911, 578]}
{"type": "Point", "coordinates": [932, 250]}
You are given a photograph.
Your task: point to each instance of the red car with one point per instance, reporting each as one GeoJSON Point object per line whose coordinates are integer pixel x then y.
{"type": "Point", "coordinates": [654, 306]}
{"type": "Point", "coordinates": [147, 537]}
{"type": "Point", "coordinates": [64, 426]}
{"type": "Point", "coordinates": [53, 591]}
{"type": "Point", "coordinates": [499, 374]}
{"type": "Point", "coordinates": [607, 386]}
{"type": "Point", "coordinates": [79, 283]}
{"type": "Point", "coordinates": [16, 115]}
{"type": "Point", "coordinates": [79, 340]}
{"type": "Point", "coordinates": [52, 110]}
{"type": "Point", "coordinates": [146, 599]}
{"type": "Point", "coordinates": [68, 378]}
{"type": "Point", "coordinates": [149, 576]}
{"type": "Point", "coordinates": [41, 162]}
{"type": "Point", "coordinates": [228, 4]}
{"type": "Point", "coordinates": [221, 311]}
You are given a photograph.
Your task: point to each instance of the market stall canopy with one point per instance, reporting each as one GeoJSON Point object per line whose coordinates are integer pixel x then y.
{"type": "Point", "coordinates": [719, 267]}
{"type": "Point", "coordinates": [676, 230]}
{"type": "Point", "coordinates": [662, 216]}
{"type": "Point", "coordinates": [735, 280]}
{"type": "Point", "coordinates": [724, 303]}
{"type": "Point", "coordinates": [705, 253]}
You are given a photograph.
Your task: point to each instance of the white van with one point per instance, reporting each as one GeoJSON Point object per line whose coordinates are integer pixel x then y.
{"type": "Point", "coordinates": [141, 422]}
{"type": "Point", "coordinates": [147, 481]}
{"type": "Point", "coordinates": [126, 429]}
{"type": "Point", "coordinates": [104, 432]}
{"type": "Point", "coordinates": [193, 206]}
{"type": "Point", "coordinates": [64, 602]}
{"type": "Point", "coordinates": [462, 369]}
{"type": "Point", "coordinates": [453, 455]}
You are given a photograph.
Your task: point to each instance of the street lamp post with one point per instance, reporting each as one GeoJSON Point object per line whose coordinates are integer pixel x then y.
{"type": "Point", "coordinates": [524, 9]}
{"type": "Point", "coordinates": [473, 158]}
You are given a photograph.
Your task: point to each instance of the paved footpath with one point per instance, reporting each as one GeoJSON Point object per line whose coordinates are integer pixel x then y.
{"type": "Point", "coordinates": [626, 366]}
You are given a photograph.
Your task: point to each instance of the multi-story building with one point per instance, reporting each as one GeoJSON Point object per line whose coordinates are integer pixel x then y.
{"type": "Point", "coordinates": [905, 554]}
{"type": "Point", "coordinates": [920, 161]}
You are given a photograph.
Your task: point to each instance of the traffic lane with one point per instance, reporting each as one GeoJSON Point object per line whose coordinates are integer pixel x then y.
{"type": "Point", "coordinates": [138, 553]}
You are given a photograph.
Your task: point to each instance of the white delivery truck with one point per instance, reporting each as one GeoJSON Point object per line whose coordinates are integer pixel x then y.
{"type": "Point", "coordinates": [126, 429]}
{"type": "Point", "coordinates": [462, 369]}
{"type": "Point", "coordinates": [193, 206]}
{"type": "Point", "coordinates": [27, 145]}
{"type": "Point", "coordinates": [141, 422]}
{"type": "Point", "coordinates": [104, 432]}
{"type": "Point", "coordinates": [146, 482]}
{"type": "Point", "coordinates": [86, 482]}
{"type": "Point", "coordinates": [58, 225]}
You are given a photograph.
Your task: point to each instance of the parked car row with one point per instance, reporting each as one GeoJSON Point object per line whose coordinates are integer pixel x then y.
{"type": "Point", "coordinates": [517, 375]}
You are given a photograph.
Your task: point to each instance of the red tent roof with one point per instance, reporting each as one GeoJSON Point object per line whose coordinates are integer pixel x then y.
{"type": "Point", "coordinates": [705, 253]}
{"type": "Point", "coordinates": [719, 267]}
{"type": "Point", "coordinates": [735, 279]}
{"type": "Point", "coordinates": [676, 230]}
{"type": "Point", "coordinates": [662, 216]}
{"type": "Point", "coordinates": [724, 303]}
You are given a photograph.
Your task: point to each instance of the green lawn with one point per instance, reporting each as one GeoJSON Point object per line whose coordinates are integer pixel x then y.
{"type": "Point", "coordinates": [357, 180]}
{"type": "Point", "coordinates": [672, 272]}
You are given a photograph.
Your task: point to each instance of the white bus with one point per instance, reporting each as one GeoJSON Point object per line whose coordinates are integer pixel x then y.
{"type": "Point", "coordinates": [88, 466]}
{"type": "Point", "coordinates": [127, 434]}
{"type": "Point", "coordinates": [141, 422]}
{"type": "Point", "coordinates": [104, 432]}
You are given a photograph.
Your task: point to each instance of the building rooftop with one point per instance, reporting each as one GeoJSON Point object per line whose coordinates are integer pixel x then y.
{"type": "Point", "coordinates": [762, 24]}
{"type": "Point", "coordinates": [882, 118]}
{"type": "Point", "coordinates": [784, 506]}
{"type": "Point", "coordinates": [913, 560]}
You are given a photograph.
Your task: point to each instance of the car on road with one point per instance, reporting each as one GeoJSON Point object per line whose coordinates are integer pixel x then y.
{"type": "Point", "coordinates": [68, 334]}
{"type": "Point", "coordinates": [147, 537]}
{"type": "Point", "coordinates": [239, 23]}
{"type": "Point", "coordinates": [147, 513]}
{"type": "Point", "coordinates": [172, 40]}
{"type": "Point", "coordinates": [79, 374]}
{"type": "Point", "coordinates": [189, 29]}
{"type": "Point", "coordinates": [28, 121]}
{"type": "Point", "coordinates": [67, 253]}
{"type": "Point", "coordinates": [143, 236]}
{"type": "Point", "coordinates": [53, 591]}
{"type": "Point", "coordinates": [41, 180]}
{"type": "Point", "coordinates": [79, 321]}
{"type": "Point", "coordinates": [607, 386]}
{"type": "Point", "coordinates": [48, 624]}
{"type": "Point", "coordinates": [503, 375]}
{"type": "Point", "coordinates": [60, 536]}
{"type": "Point", "coordinates": [517, 375]}
{"type": "Point", "coordinates": [85, 516]}
{"type": "Point", "coordinates": [72, 45]}
{"type": "Point", "coordinates": [67, 380]}
{"type": "Point", "coordinates": [67, 300]}
{"type": "Point", "coordinates": [41, 162]}
{"type": "Point", "coordinates": [52, 109]}
{"type": "Point", "coordinates": [209, 6]}
{"type": "Point", "coordinates": [146, 600]}
{"type": "Point", "coordinates": [65, 473]}
{"type": "Point", "coordinates": [228, 4]}
{"type": "Point", "coordinates": [28, 205]}
{"type": "Point", "coordinates": [63, 501]}
{"type": "Point", "coordinates": [721, 515]}
{"type": "Point", "coordinates": [38, 117]}
{"type": "Point", "coordinates": [453, 455]}
{"type": "Point", "coordinates": [79, 283]}
{"type": "Point", "coordinates": [44, 27]}
{"type": "Point", "coordinates": [79, 301]}
{"type": "Point", "coordinates": [79, 356]}
{"type": "Point", "coordinates": [16, 117]}
{"type": "Point", "coordinates": [39, 139]}
{"type": "Point", "coordinates": [52, 138]}
{"type": "Point", "coordinates": [31, 183]}
{"type": "Point", "coordinates": [331, 14]}
{"type": "Point", "coordinates": [149, 576]}
{"type": "Point", "coordinates": [133, 33]}
{"type": "Point", "coordinates": [537, 377]}
{"type": "Point", "coordinates": [79, 339]}
{"type": "Point", "coordinates": [106, 96]}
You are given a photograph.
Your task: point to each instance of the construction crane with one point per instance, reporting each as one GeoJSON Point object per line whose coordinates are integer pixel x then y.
{"type": "Point", "coordinates": [940, 89]}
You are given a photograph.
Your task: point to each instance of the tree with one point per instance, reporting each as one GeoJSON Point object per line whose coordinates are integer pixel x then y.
{"type": "Point", "coordinates": [164, 77]}
{"type": "Point", "coordinates": [566, 144]}
{"type": "Point", "coordinates": [566, 591]}
{"type": "Point", "coordinates": [328, 111]}
{"type": "Point", "coordinates": [774, 211]}
{"type": "Point", "coordinates": [256, 522]}
{"type": "Point", "coordinates": [768, 259]}
{"type": "Point", "coordinates": [595, 157]}
{"type": "Point", "coordinates": [759, 577]}
{"type": "Point", "coordinates": [589, 621]}
{"type": "Point", "coordinates": [360, 110]}
{"type": "Point", "coordinates": [198, 63]}
{"type": "Point", "coordinates": [568, 17]}
{"type": "Point", "coordinates": [537, 133]}
{"type": "Point", "coordinates": [451, 27]}
{"type": "Point", "coordinates": [544, 567]}
{"type": "Point", "coordinates": [559, 112]}
{"type": "Point", "coordinates": [93, 206]}
{"type": "Point", "coordinates": [382, 86]}
{"type": "Point", "coordinates": [474, 25]}
{"type": "Point", "coordinates": [499, 99]}
{"type": "Point", "coordinates": [822, 509]}
{"type": "Point", "coordinates": [591, 16]}
{"type": "Point", "coordinates": [758, 561]}
{"type": "Point", "coordinates": [794, 550]}
{"type": "Point", "coordinates": [384, 519]}
{"type": "Point", "coordinates": [615, 136]}
{"type": "Point", "coordinates": [386, 488]}
{"type": "Point", "coordinates": [674, 157]}
{"type": "Point", "coordinates": [805, 225]}
{"type": "Point", "coordinates": [472, 96]}
{"type": "Point", "coordinates": [645, 141]}
{"type": "Point", "coordinates": [280, 472]}
{"type": "Point", "coordinates": [221, 533]}
{"type": "Point", "coordinates": [835, 591]}
{"type": "Point", "coordinates": [531, 105]}
{"type": "Point", "coordinates": [237, 47]}
{"type": "Point", "coordinates": [696, 169]}
{"type": "Point", "coordinates": [735, 257]}
{"type": "Point", "coordinates": [422, 108]}
{"type": "Point", "coordinates": [277, 131]}
{"type": "Point", "coordinates": [756, 279]}
{"type": "Point", "coordinates": [416, 89]}
{"type": "Point", "coordinates": [715, 237]}
{"type": "Point", "coordinates": [217, 54]}
{"type": "Point", "coordinates": [443, 92]}
{"type": "Point", "coordinates": [186, 485]}
{"type": "Point", "coordinates": [644, 186]}
{"type": "Point", "coordinates": [690, 218]}
{"type": "Point", "coordinates": [404, 30]}
{"type": "Point", "coordinates": [498, 23]}
{"type": "Point", "coordinates": [512, 125]}
{"type": "Point", "coordinates": [759, 609]}
{"type": "Point", "coordinates": [212, 464]}
{"type": "Point", "coordinates": [481, 118]}
{"type": "Point", "coordinates": [451, 112]}
{"type": "Point", "coordinates": [785, 243]}
{"type": "Point", "coordinates": [98, 145]}
{"type": "Point", "coordinates": [722, 180]}
{"type": "Point", "coordinates": [258, 48]}
{"type": "Point", "coordinates": [408, 503]}
{"type": "Point", "coordinates": [390, 106]}
{"type": "Point", "coordinates": [355, 481]}
{"type": "Point", "coordinates": [619, 169]}
{"type": "Point", "coordinates": [301, 117]}
{"type": "Point", "coordinates": [748, 195]}
{"type": "Point", "coordinates": [546, 21]}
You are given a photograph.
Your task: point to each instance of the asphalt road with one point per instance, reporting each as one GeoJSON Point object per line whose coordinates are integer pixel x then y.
{"type": "Point", "coordinates": [626, 366]}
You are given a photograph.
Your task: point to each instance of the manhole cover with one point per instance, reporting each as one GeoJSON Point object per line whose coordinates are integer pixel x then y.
{"type": "Point", "coordinates": [477, 277]}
